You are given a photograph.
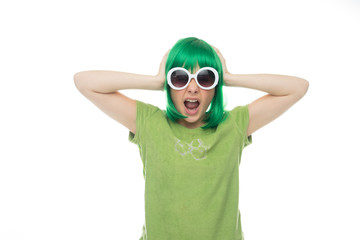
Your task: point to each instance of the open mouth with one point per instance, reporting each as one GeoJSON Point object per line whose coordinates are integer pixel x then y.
{"type": "Point", "coordinates": [191, 106]}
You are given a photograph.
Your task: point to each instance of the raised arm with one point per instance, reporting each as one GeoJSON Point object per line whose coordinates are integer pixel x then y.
{"type": "Point", "coordinates": [101, 88]}
{"type": "Point", "coordinates": [283, 92]}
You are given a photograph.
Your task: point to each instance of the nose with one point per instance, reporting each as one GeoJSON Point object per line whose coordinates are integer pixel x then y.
{"type": "Point", "coordinates": [193, 87]}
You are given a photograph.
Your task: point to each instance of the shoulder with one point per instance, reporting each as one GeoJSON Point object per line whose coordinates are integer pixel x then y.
{"type": "Point", "coordinates": [240, 116]}
{"type": "Point", "coordinates": [240, 112]}
{"type": "Point", "coordinates": [147, 116]}
{"type": "Point", "coordinates": [146, 109]}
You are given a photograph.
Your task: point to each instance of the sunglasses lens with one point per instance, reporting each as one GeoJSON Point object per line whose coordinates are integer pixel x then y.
{"type": "Point", "coordinates": [179, 78]}
{"type": "Point", "coordinates": [206, 78]}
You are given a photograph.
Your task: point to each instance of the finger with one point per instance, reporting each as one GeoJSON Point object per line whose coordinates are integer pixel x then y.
{"type": "Point", "coordinates": [166, 55]}
{"type": "Point", "coordinates": [214, 47]}
{"type": "Point", "coordinates": [221, 56]}
{"type": "Point", "coordinates": [218, 52]}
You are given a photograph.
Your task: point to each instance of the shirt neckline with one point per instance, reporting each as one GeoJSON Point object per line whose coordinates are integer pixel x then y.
{"type": "Point", "coordinates": [178, 127]}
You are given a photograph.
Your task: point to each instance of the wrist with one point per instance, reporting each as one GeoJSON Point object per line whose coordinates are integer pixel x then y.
{"type": "Point", "coordinates": [227, 78]}
{"type": "Point", "coordinates": [159, 80]}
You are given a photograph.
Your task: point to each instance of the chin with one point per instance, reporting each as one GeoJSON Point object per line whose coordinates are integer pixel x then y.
{"type": "Point", "coordinates": [192, 119]}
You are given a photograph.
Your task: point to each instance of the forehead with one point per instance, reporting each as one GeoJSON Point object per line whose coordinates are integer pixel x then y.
{"type": "Point", "coordinates": [192, 69]}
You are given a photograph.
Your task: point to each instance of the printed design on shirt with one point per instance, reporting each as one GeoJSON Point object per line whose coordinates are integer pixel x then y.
{"type": "Point", "coordinates": [196, 148]}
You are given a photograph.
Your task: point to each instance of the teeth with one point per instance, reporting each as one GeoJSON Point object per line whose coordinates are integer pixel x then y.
{"type": "Point", "coordinates": [189, 100]}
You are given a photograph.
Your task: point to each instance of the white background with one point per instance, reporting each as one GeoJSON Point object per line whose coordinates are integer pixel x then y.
{"type": "Point", "coordinates": [67, 170]}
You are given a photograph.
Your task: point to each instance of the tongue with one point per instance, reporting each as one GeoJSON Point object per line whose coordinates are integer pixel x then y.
{"type": "Point", "coordinates": [191, 104]}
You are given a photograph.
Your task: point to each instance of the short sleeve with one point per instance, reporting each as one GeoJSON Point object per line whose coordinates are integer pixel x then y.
{"type": "Point", "coordinates": [241, 118]}
{"type": "Point", "coordinates": [143, 113]}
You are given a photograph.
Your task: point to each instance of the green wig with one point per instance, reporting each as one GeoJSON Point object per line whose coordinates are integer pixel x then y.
{"type": "Point", "coordinates": [190, 53]}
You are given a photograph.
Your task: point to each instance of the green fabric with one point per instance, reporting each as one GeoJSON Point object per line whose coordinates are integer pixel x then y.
{"type": "Point", "coordinates": [191, 176]}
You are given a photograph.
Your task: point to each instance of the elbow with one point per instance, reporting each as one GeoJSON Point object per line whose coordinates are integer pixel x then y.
{"type": "Point", "coordinates": [305, 86]}
{"type": "Point", "coordinates": [302, 87]}
{"type": "Point", "coordinates": [76, 76]}
{"type": "Point", "coordinates": [78, 79]}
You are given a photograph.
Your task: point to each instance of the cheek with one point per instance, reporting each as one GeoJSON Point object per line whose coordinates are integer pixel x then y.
{"type": "Point", "coordinates": [175, 97]}
{"type": "Point", "coordinates": [210, 97]}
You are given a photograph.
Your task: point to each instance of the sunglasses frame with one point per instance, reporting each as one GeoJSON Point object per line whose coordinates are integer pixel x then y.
{"type": "Point", "coordinates": [191, 76]}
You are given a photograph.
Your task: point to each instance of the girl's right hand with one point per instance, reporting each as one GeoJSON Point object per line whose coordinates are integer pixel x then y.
{"type": "Point", "coordinates": [161, 74]}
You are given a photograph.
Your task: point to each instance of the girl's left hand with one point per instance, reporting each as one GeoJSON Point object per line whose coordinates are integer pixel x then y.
{"type": "Point", "coordinates": [223, 62]}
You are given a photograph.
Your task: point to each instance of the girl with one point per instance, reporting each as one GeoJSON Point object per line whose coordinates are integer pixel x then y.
{"type": "Point", "coordinates": [192, 150]}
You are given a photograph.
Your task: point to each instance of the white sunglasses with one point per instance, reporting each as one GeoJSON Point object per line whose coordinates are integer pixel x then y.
{"type": "Point", "coordinates": [179, 78]}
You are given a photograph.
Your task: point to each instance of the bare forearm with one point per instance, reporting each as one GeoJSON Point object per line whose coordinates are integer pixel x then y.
{"type": "Point", "coordinates": [277, 85]}
{"type": "Point", "coordinates": [111, 81]}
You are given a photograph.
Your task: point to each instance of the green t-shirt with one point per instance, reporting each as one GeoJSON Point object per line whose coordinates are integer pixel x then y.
{"type": "Point", "coordinates": [191, 175]}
